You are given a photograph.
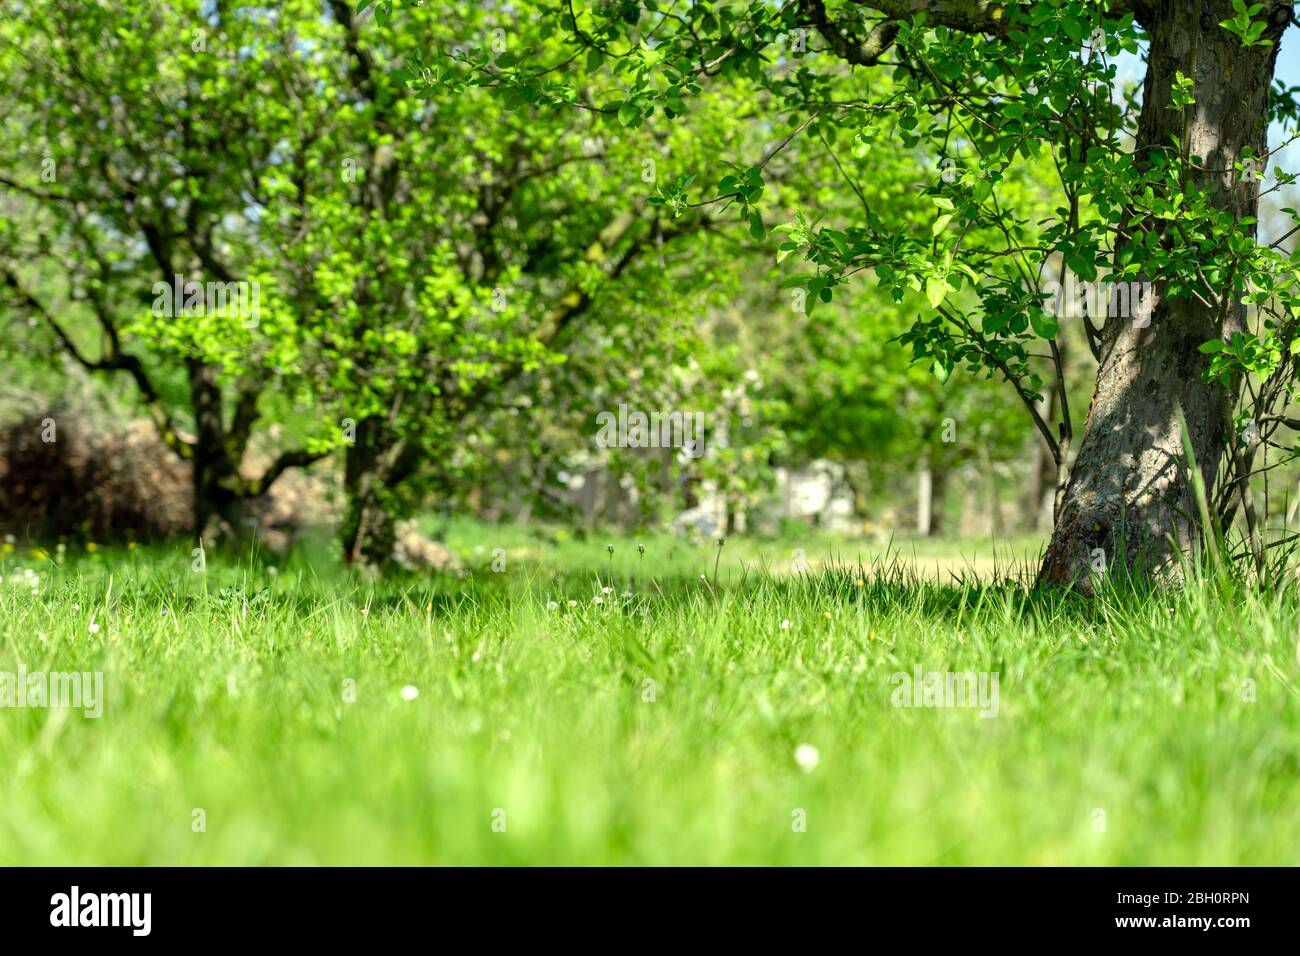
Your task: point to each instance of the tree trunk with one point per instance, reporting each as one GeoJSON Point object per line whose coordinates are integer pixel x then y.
{"type": "Point", "coordinates": [368, 531]}
{"type": "Point", "coordinates": [938, 499]}
{"type": "Point", "coordinates": [924, 501]}
{"type": "Point", "coordinates": [376, 473]}
{"type": "Point", "coordinates": [932, 487]}
{"type": "Point", "coordinates": [1128, 493]}
{"type": "Point", "coordinates": [1042, 489]}
{"type": "Point", "coordinates": [857, 475]}
{"type": "Point", "coordinates": [215, 475]}
{"type": "Point", "coordinates": [992, 499]}
{"type": "Point", "coordinates": [971, 523]}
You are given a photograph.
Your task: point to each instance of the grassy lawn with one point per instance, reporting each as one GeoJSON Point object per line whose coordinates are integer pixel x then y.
{"type": "Point", "coordinates": [273, 701]}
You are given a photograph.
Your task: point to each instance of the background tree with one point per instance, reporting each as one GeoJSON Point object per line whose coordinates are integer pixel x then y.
{"type": "Point", "coordinates": [420, 246]}
{"type": "Point", "coordinates": [483, 237]}
{"type": "Point", "coordinates": [136, 135]}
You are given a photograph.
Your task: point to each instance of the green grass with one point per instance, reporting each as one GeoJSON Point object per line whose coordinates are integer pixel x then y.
{"type": "Point", "coordinates": [226, 693]}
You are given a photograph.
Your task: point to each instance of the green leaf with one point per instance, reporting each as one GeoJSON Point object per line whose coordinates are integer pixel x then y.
{"type": "Point", "coordinates": [1045, 325]}
{"type": "Point", "coordinates": [936, 290]}
{"type": "Point", "coordinates": [756, 228]}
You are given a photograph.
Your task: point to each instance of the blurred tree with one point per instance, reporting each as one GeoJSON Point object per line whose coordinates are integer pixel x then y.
{"type": "Point", "coordinates": [414, 257]}
{"type": "Point", "coordinates": [135, 136]}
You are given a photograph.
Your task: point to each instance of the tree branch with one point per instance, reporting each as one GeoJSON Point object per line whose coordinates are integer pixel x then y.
{"type": "Point", "coordinates": [296, 458]}
{"type": "Point", "coordinates": [115, 361]}
{"type": "Point", "coordinates": [968, 16]}
{"type": "Point", "coordinates": [847, 47]}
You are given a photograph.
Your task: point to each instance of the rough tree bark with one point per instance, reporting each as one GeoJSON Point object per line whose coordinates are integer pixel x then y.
{"type": "Point", "coordinates": [1128, 492]}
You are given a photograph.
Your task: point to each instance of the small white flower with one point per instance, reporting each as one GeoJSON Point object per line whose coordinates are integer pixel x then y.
{"type": "Point", "coordinates": [552, 605]}
{"type": "Point", "coordinates": [94, 628]}
{"type": "Point", "coordinates": [606, 590]}
{"type": "Point", "coordinates": [410, 692]}
{"type": "Point", "coordinates": [272, 570]}
{"type": "Point", "coordinates": [573, 604]}
{"type": "Point", "coordinates": [628, 594]}
{"type": "Point", "coordinates": [785, 625]}
{"type": "Point", "coordinates": [76, 607]}
{"type": "Point", "coordinates": [807, 757]}
{"type": "Point", "coordinates": [598, 599]}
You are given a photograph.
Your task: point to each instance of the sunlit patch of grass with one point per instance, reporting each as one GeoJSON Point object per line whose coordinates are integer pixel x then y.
{"type": "Point", "coordinates": [658, 724]}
